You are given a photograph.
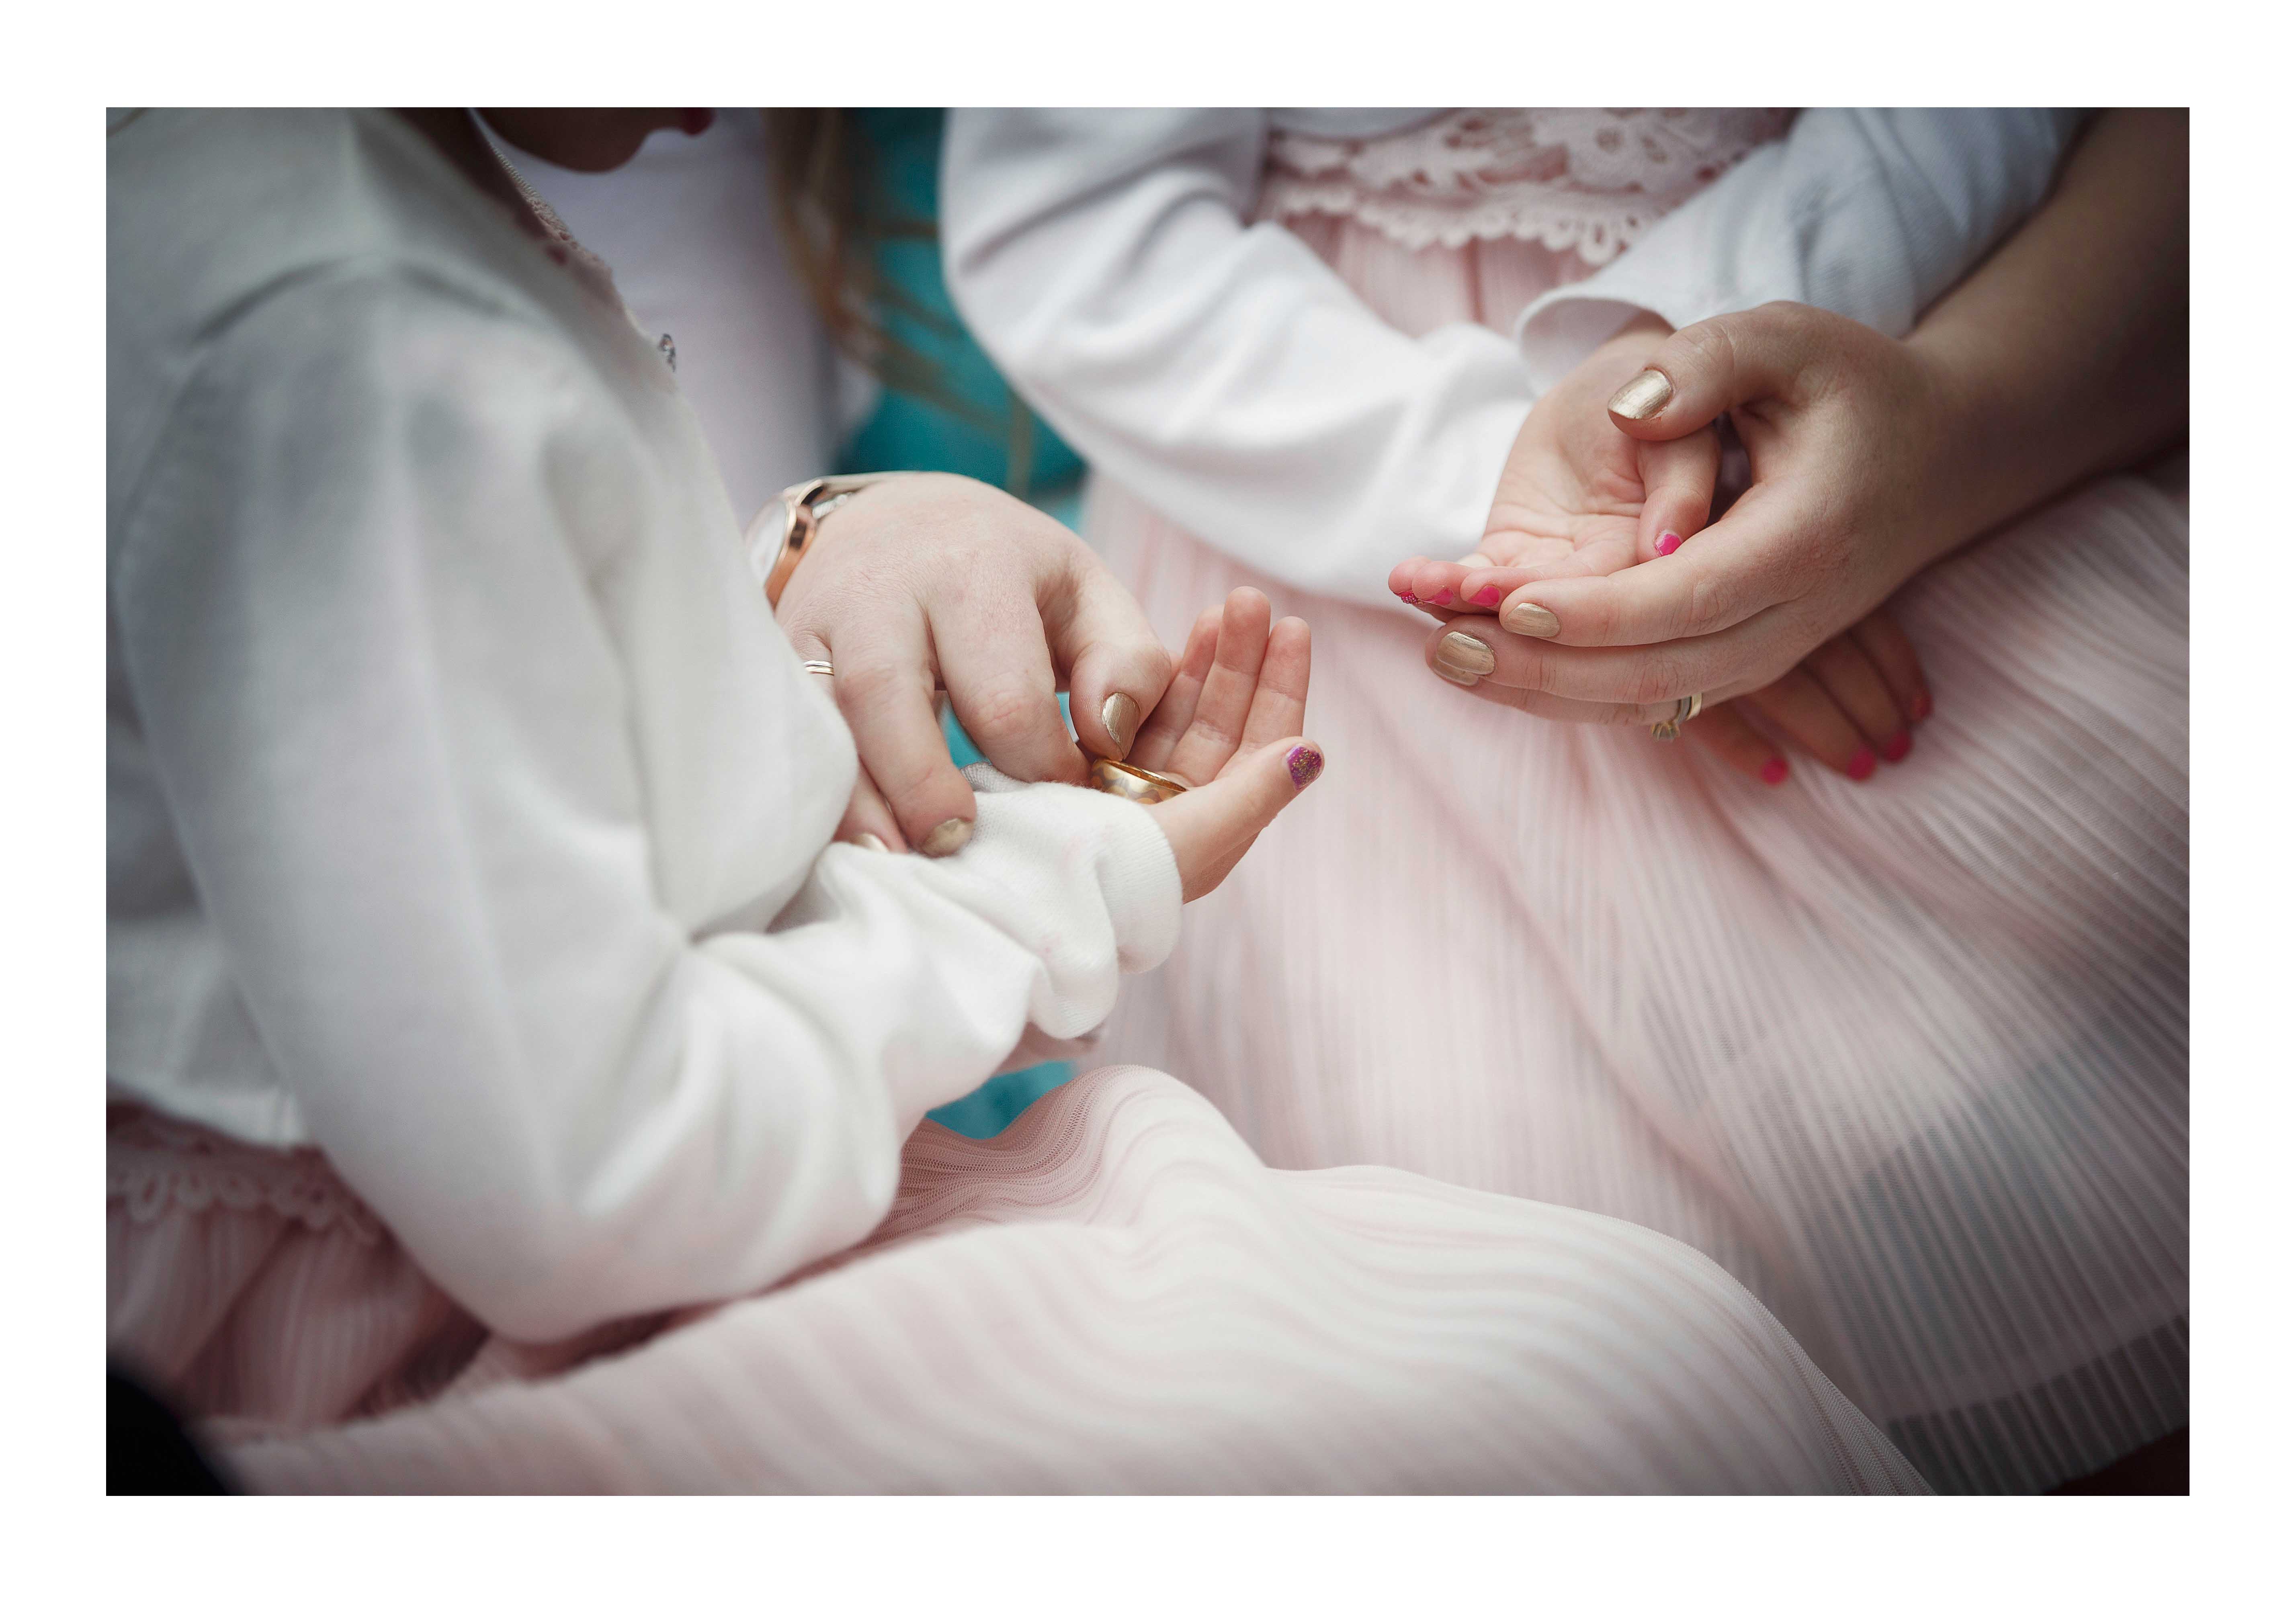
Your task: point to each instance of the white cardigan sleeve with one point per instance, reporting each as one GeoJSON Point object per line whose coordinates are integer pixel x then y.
{"type": "Point", "coordinates": [360, 607]}
{"type": "Point", "coordinates": [1217, 368]}
{"type": "Point", "coordinates": [1222, 372]}
{"type": "Point", "coordinates": [1869, 214]}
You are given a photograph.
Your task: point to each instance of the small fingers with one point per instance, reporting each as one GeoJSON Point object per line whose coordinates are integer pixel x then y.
{"type": "Point", "coordinates": [1279, 704]}
{"type": "Point", "coordinates": [1213, 735]}
{"type": "Point", "coordinates": [1153, 746]}
{"type": "Point", "coordinates": [1677, 491]}
{"type": "Point", "coordinates": [1799, 706]}
{"type": "Point", "coordinates": [1857, 689]}
{"type": "Point", "coordinates": [1729, 735]}
{"type": "Point", "coordinates": [1899, 665]}
{"type": "Point", "coordinates": [1211, 826]}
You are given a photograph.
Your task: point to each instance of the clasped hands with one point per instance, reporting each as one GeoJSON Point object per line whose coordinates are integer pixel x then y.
{"type": "Point", "coordinates": [933, 584]}
{"type": "Point", "coordinates": [1600, 592]}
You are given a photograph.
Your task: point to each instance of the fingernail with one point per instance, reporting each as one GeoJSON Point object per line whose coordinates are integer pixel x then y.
{"type": "Point", "coordinates": [1305, 763]}
{"type": "Point", "coordinates": [1120, 716]}
{"type": "Point", "coordinates": [1458, 676]}
{"type": "Point", "coordinates": [1486, 595]}
{"type": "Point", "coordinates": [1529, 618]}
{"type": "Point", "coordinates": [1443, 596]}
{"type": "Point", "coordinates": [1669, 544]}
{"type": "Point", "coordinates": [1773, 772]}
{"type": "Point", "coordinates": [1899, 744]}
{"type": "Point", "coordinates": [1476, 559]}
{"type": "Point", "coordinates": [1466, 654]}
{"type": "Point", "coordinates": [1922, 707]}
{"type": "Point", "coordinates": [947, 837]}
{"type": "Point", "coordinates": [1861, 767]}
{"type": "Point", "coordinates": [871, 842]}
{"type": "Point", "coordinates": [1642, 396]}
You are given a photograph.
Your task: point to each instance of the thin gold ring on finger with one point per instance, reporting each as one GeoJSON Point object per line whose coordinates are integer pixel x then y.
{"type": "Point", "coordinates": [1689, 708]}
{"type": "Point", "coordinates": [819, 666]}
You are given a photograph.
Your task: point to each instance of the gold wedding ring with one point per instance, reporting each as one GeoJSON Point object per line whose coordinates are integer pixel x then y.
{"type": "Point", "coordinates": [815, 665]}
{"type": "Point", "coordinates": [1684, 710]}
{"type": "Point", "coordinates": [1143, 786]}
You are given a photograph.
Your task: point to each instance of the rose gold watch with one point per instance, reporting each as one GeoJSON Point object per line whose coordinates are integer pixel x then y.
{"type": "Point", "coordinates": [803, 507]}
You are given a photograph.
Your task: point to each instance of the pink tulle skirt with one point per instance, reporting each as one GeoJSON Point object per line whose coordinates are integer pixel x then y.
{"type": "Point", "coordinates": [1113, 1295]}
{"type": "Point", "coordinates": [1907, 1058]}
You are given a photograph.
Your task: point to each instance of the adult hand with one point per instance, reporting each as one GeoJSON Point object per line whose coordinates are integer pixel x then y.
{"type": "Point", "coordinates": [1579, 497]}
{"type": "Point", "coordinates": [1847, 433]}
{"type": "Point", "coordinates": [933, 581]}
{"type": "Point", "coordinates": [1230, 726]}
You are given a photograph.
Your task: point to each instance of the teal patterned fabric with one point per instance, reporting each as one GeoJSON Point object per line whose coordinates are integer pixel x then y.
{"type": "Point", "coordinates": [971, 423]}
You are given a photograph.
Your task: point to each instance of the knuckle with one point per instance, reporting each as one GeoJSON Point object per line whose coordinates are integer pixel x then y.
{"type": "Point", "coordinates": [1708, 345]}
{"type": "Point", "coordinates": [1654, 679]}
{"type": "Point", "coordinates": [1157, 667]}
{"type": "Point", "coordinates": [1005, 713]}
{"type": "Point", "coordinates": [871, 684]}
{"type": "Point", "coordinates": [1707, 607]}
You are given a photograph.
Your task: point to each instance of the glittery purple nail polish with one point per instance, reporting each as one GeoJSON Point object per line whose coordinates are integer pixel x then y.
{"type": "Point", "coordinates": [1305, 763]}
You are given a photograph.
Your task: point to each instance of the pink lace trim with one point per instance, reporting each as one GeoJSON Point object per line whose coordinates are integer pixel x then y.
{"type": "Point", "coordinates": [1585, 180]}
{"type": "Point", "coordinates": [156, 1166]}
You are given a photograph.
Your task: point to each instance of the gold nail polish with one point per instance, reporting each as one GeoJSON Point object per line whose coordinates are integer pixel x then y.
{"type": "Point", "coordinates": [1642, 396]}
{"type": "Point", "coordinates": [1466, 654]}
{"type": "Point", "coordinates": [1120, 716]}
{"type": "Point", "coordinates": [945, 838]}
{"type": "Point", "coordinates": [873, 843]}
{"type": "Point", "coordinates": [1529, 618]}
{"type": "Point", "coordinates": [1458, 676]}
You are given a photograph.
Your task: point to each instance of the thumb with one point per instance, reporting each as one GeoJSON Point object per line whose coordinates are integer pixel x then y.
{"type": "Point", "coordinates": [1117, 668]}
{"type": "Point", "coordinates": [1209, 827]}
{"type": "Point", "coordinates": [1703, 371]}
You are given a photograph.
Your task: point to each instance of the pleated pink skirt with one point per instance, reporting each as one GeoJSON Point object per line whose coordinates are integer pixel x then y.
{"type": "Point", "coordinates": [1113, 1295]}
{"type": "Point", "coordinates": [1908, 1057]}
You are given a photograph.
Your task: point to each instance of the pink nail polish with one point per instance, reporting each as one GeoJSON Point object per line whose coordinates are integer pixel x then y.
{"type": "Point", "coordinates": [1443, 597]}
{"type": "Point", "coordinates": [1773, 772]}
{"type": "Point", "coordinates": [1669, 544]}
{"type": "Point", "coordinates": [1922, 707]}
{"type": "Point", "coordinates": [1861, 767]}
{"type": "Point", "coordinates": [1305, 763]}
{"type": "Point", "coordinates": [1900, 745]}
{"type": "Point", "coordinates": [1486, 595]}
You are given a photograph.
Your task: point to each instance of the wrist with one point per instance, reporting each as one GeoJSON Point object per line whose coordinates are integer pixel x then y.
{"type": "Point", "coordinates": [803, 511]}
{"type": "Point", "coordinates": [1966, 451]}
{"type": "Point", "coordinates": [1983, 429]}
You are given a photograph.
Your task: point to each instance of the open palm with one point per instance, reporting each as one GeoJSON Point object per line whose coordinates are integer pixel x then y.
{"type": "Point", "coordinates": [1576, 497]}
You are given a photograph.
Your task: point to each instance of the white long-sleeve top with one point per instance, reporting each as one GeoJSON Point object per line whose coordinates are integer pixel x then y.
{"type": "Point", "coordinates": [1219, 370]}
{"type": "Point", "coordinates": [469, 813]}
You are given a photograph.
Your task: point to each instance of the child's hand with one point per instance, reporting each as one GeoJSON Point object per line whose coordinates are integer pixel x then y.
{"type": "Point", "coordinates": [1230, 725]}
{"type": "Point", "coordinates": [1578, 498]}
